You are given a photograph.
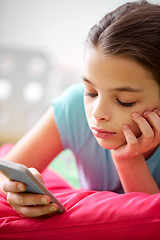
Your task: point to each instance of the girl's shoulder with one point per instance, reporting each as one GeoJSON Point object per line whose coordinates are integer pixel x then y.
{"type": "Point", "coordinates": [70, 117]}
{"type": "Point", "coordinates": [70, 100]}
{"type": "Point", "coordinates": [73, 93]}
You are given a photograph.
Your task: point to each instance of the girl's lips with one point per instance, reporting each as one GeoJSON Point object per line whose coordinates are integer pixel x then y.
{"type": "Point", "coordinates": [101, 133]}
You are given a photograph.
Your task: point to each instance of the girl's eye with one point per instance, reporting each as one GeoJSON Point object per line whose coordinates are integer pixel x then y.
{"type": "Point", "coordinates": [126, 104]}
{"type": "Point", "coordinates": [90, 94]}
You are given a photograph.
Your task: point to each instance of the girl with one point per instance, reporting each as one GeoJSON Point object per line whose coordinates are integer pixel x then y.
{"type": "Point", "coordinates": [115, 132]}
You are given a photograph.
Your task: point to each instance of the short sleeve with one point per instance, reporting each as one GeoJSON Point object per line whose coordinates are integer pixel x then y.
{"type": "Point", "coordinates": [70, 117]}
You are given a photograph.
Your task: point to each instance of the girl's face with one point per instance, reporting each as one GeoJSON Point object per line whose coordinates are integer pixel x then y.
{"type": "Point", "coordinates": [115, 87]}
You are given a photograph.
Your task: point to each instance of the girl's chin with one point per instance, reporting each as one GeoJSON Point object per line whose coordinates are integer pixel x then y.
{"type": "Point", "coordinates": [110, 146]}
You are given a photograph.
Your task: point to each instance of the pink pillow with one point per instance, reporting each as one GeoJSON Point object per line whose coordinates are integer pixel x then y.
{"type": "Point", "coordinates": [4, 149]}
{"type": "Point", "coordinates": [90, 215]}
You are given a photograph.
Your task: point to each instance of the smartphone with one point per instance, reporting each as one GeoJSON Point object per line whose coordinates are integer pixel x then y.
{"type": "Point", "coordinates": [18, 172]}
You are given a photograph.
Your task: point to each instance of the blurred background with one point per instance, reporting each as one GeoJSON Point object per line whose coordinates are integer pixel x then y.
{"type": "Point", "coordinates": [41, 54]}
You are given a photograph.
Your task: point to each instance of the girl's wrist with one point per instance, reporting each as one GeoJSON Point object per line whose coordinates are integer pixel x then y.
{"type": "Point", "coordinates": [126, 157]}
{"type": "Point", "coordinates": [127, 161]}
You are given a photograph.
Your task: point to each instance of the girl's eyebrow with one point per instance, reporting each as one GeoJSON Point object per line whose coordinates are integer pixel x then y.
{"type": "Point", "coordinates": [86, 80]}
{"type": "Point", "coordinates": [127, 89]}
{"type": "Point", "coordinates": [119, 89]}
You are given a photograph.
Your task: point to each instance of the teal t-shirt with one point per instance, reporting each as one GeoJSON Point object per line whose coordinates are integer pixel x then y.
{"type": "Point", "coordinates": [95, 165]}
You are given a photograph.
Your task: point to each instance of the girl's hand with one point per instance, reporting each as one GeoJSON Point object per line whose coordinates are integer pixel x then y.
{"type": "Point", "coordinates": [28, 204]}
{"type": "Point", "coordinates": [149, 124]}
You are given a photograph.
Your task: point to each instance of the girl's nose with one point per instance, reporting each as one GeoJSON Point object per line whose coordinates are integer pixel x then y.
{"type": "Point", "coordinates": [101, 111]}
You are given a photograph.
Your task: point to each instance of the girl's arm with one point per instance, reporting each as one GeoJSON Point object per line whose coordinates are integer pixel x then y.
{"type": "Point", "coordinates": [130, 160]}
{"type": "Point", "coordinates": [40, 145]}
{"type": "Point", "coordinates": [135, 176]}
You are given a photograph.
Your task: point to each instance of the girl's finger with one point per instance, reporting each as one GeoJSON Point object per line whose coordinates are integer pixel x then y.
{"type": "Point", "coordinates": [157, 111]}
{"type": "Point", "coordinates": [129, 135]}
{"type": "Point", "coordinates": [154, 120]}
{"type": "Point", "coordinates": [146, 129]}
{"type": "Point", "coordinates": [35, 172]}
{"type": "Point", "coordinates": [36, 211]}
{"type": "Point", "coordinates": [128, 150]}
{"type": "Point", "coordinates": [132, 142]}
{"type": "Point", "coordinates": [13, 186]}
{"type": "Point", "coordinates": [26, 199]}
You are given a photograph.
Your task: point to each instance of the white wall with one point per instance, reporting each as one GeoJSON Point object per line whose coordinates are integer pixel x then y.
{"type": "Point", "coordinates": [57, 26]}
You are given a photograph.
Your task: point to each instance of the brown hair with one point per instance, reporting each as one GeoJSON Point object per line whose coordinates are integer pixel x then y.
{"type": "Point", "coordinates": [131, 30]}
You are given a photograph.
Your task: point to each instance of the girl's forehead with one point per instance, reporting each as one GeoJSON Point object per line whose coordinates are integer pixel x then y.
{"type": "Point", "coordinates": [115, 69]}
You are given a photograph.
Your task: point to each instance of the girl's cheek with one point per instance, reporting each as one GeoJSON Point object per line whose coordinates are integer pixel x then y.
{"type": "Point", "coordinates": [136, 130]}
{"type": "Point", "coordinates": [134, 127]}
